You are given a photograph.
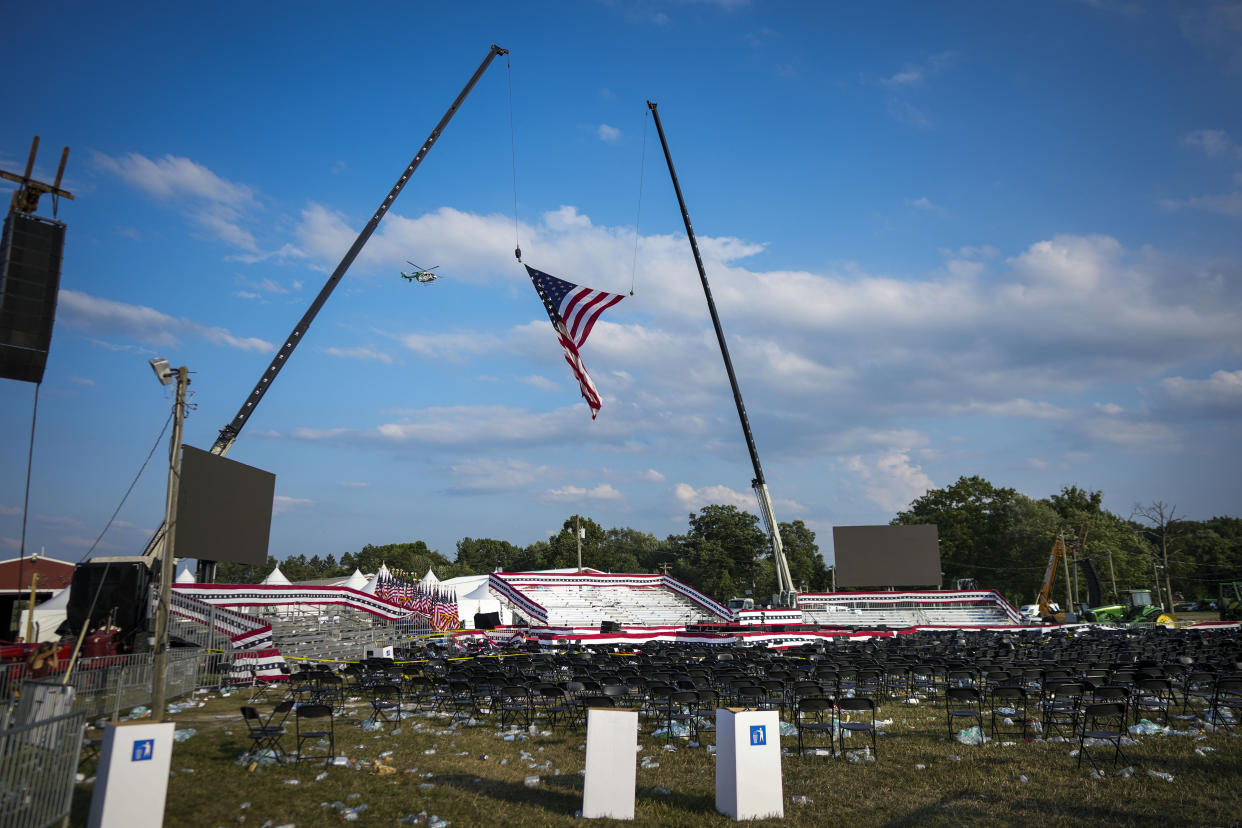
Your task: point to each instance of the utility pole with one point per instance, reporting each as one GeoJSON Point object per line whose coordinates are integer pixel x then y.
{"type": "Point", "coordinates": [664, 566]}
{"type": "Point", "coordinates": [159, 668]}
{"type": "Point", "coordinates": [578, 534]}
{"type": "Point", "coordinates": [1112, 574]}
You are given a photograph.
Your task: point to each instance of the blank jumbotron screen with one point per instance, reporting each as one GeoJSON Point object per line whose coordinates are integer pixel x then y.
{"type": "Point", "coordinates": [887, 556]}
{"type": "Point", "coordinates": [224, 509]}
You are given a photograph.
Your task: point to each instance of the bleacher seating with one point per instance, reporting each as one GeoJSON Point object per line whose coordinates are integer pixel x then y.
{"type": "Point", "coordinates": [337, 634]}
{"type": "Point", "coordinates": [980, 608]}
{"type": "Point", "coordinates": [589, 600]}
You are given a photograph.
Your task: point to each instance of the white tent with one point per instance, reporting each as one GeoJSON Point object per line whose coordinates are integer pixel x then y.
{"type": "Point", "coordinates": [185, 576]}
{"type": "Point", "coordinates": [384, 571]}
{"type": "Point", "coordinates": [47, 617]}
{"type": "Point", "coordinates": [356, 581]}
{"type": "Point", "coordinates": [373, 582]}
{"type": "Point", "coordinates": [276, 578]}
{"type": "Point", "coordinates": [473, 596]}
{"type": "Point", "coordinates": [430, 579]}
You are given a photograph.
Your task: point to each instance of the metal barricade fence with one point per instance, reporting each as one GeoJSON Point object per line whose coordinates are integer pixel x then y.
{"type": "Point", "coordinates": [111, 685]}
{"type": "Point", "coordinates": [38, 762]}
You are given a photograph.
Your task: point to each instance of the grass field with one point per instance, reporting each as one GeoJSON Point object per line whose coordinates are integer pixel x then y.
{"type": "Point", "coordinates": [473, 776]}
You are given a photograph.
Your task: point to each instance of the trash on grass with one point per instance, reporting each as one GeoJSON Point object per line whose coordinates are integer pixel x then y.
{"type": "Point", "coordinates": [972, 735]}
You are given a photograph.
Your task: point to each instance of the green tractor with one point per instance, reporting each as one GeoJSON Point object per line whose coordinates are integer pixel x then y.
{"type": "Point", "coordinates": [1136, 607]}
{"type": "Point", "coordinates": [1230, 603]}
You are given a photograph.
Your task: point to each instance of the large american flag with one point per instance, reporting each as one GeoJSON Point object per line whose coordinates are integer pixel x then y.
{"type": "Point", "coordinates": [573, 311]}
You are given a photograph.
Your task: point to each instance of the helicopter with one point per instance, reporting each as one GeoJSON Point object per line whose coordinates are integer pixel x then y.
{"type": "Point", "coordinates": [420, 275]}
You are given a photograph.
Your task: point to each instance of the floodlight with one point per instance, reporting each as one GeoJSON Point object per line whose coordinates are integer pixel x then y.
{"type": "Point", "coordinates": [160, 366]}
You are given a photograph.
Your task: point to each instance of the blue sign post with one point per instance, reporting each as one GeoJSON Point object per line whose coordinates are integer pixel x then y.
{"type": "Point", "coordinates": [144, 750]}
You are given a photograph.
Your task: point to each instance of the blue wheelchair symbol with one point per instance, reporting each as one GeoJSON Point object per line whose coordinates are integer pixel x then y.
{"type": "Point", "coordinates": [758, 735]}
{"type": "Point", "coordinates": [144, 749]}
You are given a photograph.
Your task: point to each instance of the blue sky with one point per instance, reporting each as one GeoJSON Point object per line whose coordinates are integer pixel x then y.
{"type": "Point", "coordinates": [994, 239]}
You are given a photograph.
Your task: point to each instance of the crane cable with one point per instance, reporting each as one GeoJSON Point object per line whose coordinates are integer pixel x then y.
{"type": "Point", "coordinates": [517, 247]}
{"type": "Point", "coordinates": [34, 416]}
{"type": "Point", "coordinates": [642, 168]}
{"type": "Point", "coordinates": [77, 647]}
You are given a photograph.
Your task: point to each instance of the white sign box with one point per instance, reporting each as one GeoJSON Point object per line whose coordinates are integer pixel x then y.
{"type": "Point", "coordinates": [132, 782]}
{"type": "Point", "coordinates": [611, 753]}
{"type": "Point", "coordinates": [748, 764]}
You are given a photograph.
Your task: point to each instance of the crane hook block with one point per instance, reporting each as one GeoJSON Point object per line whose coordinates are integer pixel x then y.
{"type": "Point", "coordinates": [517, 251]}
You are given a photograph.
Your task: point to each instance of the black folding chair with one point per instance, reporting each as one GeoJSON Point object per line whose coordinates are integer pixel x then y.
{"type": "Point", "coordinates": [815, 716]}
{"type": "Point", "coordinates": [1062, 706]}
{"type": "Point", "coordinates": [858, 705]}
{"type": "Point", "coordinates": [963, 704]}
{"type": "Point", "coordinates": [1226, 707]}
{"type": "Point", "coordinates": [1009, 702]}
{"type": "Point", "coordinates": [514, 704]}
{"type": "Point", "coordinates": [315, 721]}
{"type": "Point", "coordinates": [1103, 722]}
{"type": "Point", "coordinates": [386, 703]}
{"type": "Point", "coordinates": [262, 733]}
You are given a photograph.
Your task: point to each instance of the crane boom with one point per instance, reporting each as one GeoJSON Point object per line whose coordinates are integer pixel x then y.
{"type": "Point", "coordinates": [1045, 590]}
{"type": "Point", "coordinates": [784, 580]}
{"type": "Point", "coordinates": [229, 433]}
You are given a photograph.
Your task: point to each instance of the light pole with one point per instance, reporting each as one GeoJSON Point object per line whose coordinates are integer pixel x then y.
{"type": "Point", "coordinates": [159, 667]}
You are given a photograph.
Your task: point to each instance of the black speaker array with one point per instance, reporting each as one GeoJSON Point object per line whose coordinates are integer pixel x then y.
{"type": "Point", "coordinates": [30, 255]}
{"type": "Point", "coordinates": [122, 587]}
{"type": "Point", "coordinates": [486, 620]}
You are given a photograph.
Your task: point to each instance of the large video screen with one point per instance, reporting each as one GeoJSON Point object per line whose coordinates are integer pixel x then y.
{"type": "Point", "coordinates": [887, 556]}
{"type": "Point", "coordinates": [224, 509]}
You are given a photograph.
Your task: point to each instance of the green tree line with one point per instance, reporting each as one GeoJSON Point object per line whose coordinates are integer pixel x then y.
{"type": "Point", "coordinates": [997, 536]}
{"type": "Point", "coordinates": [1003, 539]}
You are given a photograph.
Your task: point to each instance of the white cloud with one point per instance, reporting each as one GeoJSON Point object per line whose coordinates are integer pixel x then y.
{"type": "Point", "coordinates": [212, 202]}
{"type": "Point", "coordinates": [10, 510]}
{"type": "Point", "coordinates": [90, 383]}
{"type": "Point", "coordinates": [1219, 394]}
{"type": "Point", "coordinates": [694, 499]}
{"type": "Point", "coordinates": [174, 177]}
{"type": "Point", "coordinates": [573, 494]}
{"type": "Point", "coordinates": [990, 335]}
{"type": "Point", "coordinates": [354, 484]}
{"type": "Point", "coordinates": [608, 134]}
{"type": "Point", "coordinates": [282, 504]}
{"type": "Point", "coordinates": [360, 352]}
{"type": "Point", "coordinates": [1019, 407]}
{"type": "Point", "coordinates": [907, 113]}
{"type": "Point", "coordinates": [653, 476]}
{"type": "Point", "coordinates": [1132, 433]}
{"type": "Point", "coordinates": [1213, 142]}
{"type": "Point", "coordinates": [492, 475]}
{"type": "Point", "coordinates": [451, 345]}
{"type": "Point", "coordinates": [106, 317]}
{"type": "Point", "coordinates": [1217, 29]}
{"type": "Point", "coordinates": [924, 203]}
{"type": "Point", "coordinates": [1226, 204]}
{"type": "Point", "coordinates": [910, 76]}
{"type": "Point", "coordinates": [890, 480]}
{"type": "Point", "coordinates": [916, 73]}
{"type": "Point", "coordinates": [542, 383]}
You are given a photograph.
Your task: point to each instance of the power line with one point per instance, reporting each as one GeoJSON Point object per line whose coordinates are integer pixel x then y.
{"type": "Point", "coordinates": [138, 476]}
